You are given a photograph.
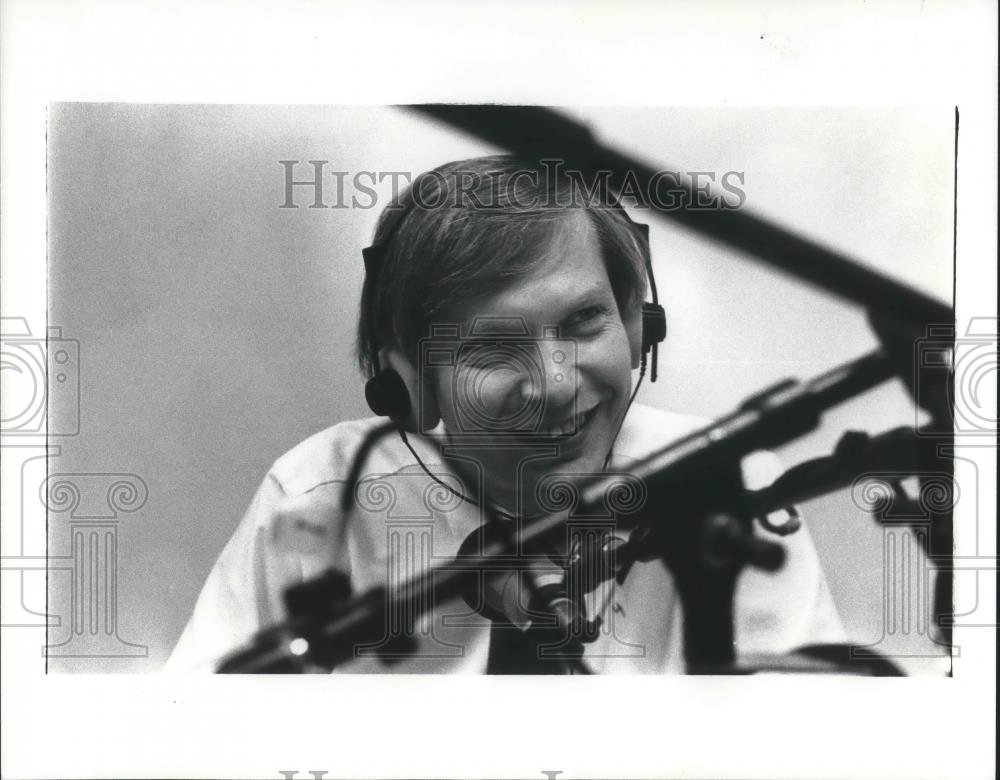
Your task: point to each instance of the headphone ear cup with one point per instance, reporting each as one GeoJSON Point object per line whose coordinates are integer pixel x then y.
{"type": "Point", "coordinates": [422, 412]}
{"type": "Point", "coordinates": [654, 325]}
{"type": "Point", "coordinates": [634, 328]}
{"type": "Point", "coordinates": [388, 396]}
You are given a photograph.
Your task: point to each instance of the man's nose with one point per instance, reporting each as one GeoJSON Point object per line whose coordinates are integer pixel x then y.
{"type": "Point", "coordinates": [553, 380]}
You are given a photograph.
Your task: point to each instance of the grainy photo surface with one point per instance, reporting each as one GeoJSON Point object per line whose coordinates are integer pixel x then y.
{"type": "Point", "coordinates": [401, 390]}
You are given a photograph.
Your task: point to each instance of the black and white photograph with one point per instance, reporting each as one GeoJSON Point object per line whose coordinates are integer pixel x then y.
{"type": "Point", "coordinates": [444, 398]}
{"type": "Point", "coordinates": [438, 342]}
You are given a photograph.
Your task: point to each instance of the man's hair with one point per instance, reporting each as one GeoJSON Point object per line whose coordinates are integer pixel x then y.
{"type": "Point", "coordinates": [469, 229]}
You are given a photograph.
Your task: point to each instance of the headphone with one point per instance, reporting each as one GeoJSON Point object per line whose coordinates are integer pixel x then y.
{"type": "Point", "coordinates": [388, 393]}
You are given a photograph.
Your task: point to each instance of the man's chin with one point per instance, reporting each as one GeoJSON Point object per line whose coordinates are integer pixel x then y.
{"type": "Point", "coordinates": [540, 458]}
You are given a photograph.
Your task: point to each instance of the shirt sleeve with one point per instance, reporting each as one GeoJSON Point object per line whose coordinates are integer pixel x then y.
{"type": "Point", "coordinates": [242, 593]}
{"type": "Point", "coordinates": [792, 607]}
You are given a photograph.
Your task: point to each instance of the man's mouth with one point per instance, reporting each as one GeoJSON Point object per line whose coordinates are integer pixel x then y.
{"type": "Point", "coordinates": [570, 425]}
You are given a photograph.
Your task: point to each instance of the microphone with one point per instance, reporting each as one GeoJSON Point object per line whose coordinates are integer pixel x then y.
{"type": "Point", "coordinates": [596, 560]}
{"type": "Point", "coordinates": [531, 593]}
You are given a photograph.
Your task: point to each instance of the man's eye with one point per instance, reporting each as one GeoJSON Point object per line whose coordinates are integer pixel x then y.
{"type": "Point", "coordinates": [585, 315]}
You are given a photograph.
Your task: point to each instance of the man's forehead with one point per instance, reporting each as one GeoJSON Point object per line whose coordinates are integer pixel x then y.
{"type": "Point", "coordinates": [569, 268]}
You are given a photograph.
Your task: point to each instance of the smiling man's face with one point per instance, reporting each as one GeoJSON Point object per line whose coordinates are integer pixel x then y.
{"type": "Point", "coordinates": [571, 402]}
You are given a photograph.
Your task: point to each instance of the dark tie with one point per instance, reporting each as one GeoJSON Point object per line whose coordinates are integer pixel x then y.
{"type": "Point", "coordinates": [513, 651]}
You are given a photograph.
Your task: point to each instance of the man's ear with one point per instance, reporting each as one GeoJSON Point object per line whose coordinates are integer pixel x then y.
{"type": "Point", "coordinates": [632, 319]}
{"type": "Point", "coordinates": [424, 412]}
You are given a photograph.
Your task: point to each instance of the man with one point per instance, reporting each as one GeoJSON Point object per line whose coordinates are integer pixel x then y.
{"type": "Point", "coordinates": [502, 309]}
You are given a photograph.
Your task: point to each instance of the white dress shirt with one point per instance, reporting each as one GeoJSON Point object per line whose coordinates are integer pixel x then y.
{"type": "Point", "coordinates": [404, 522]}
